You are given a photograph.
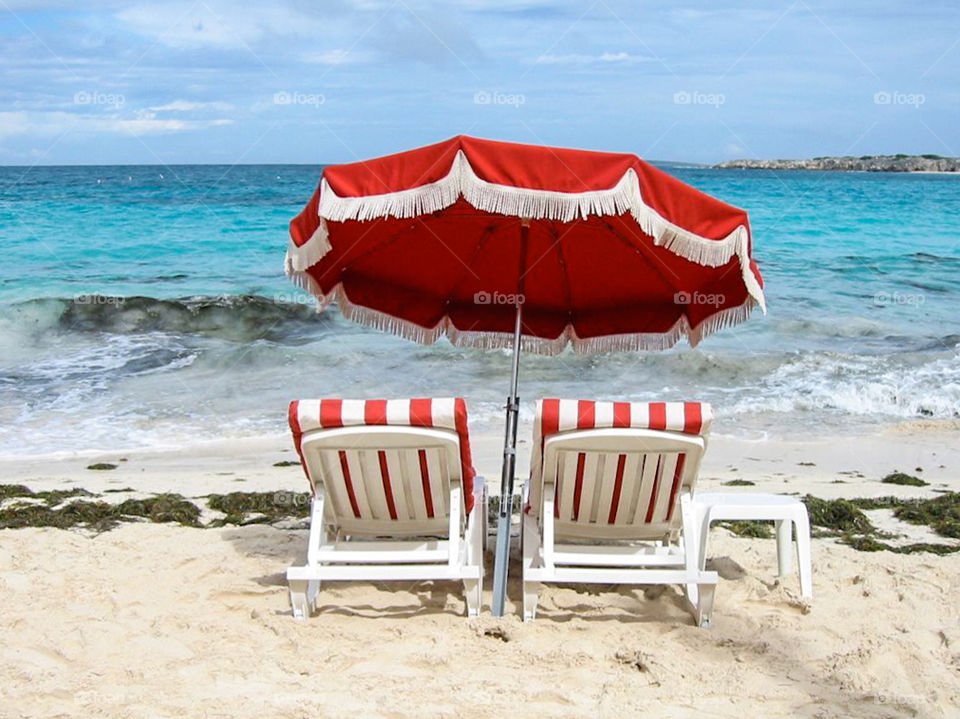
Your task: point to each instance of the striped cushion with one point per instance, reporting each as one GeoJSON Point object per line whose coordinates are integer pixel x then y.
{"type": "Point", "coordinates": [448, 413]}
{"type": "Point", "coordinates": [555, 416]}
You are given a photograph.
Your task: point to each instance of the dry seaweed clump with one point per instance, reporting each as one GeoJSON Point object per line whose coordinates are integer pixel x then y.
{"type": "Point", "coordinates": [942, 514]}
{"type": "Point", "coordinates": [906, 480]}
{"type": "Point", "coordinates": [97, 516]}
{"type": "Point", "coordinates": [49, 509]}
{"type": "Point", "coordinates": [748, 528]}
{"type": "Point", "coordinates": [259, 507]}
{"type": "Point", "coordinates": [838, 515]}
{"type": "Point", "coordinates": [50, 498]}
{"type": "Point", "coordinates": [162, 508]}
{"type": "Point", "coordinates": [844, 518]}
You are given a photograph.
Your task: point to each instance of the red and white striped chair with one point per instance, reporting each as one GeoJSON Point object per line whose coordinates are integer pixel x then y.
{"type": "Point", "coordinates": [395, 495]}
{"type": "Point", "coordinates": [610, 498]}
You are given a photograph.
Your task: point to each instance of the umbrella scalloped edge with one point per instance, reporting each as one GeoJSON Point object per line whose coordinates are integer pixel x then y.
{"type": "Point", "coordinates": [642, 341]}
{"type": "Point", "coordinates": [462, 181]}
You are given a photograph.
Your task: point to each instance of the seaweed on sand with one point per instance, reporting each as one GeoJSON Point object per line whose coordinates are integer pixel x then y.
{"type": "Point", "coordinates": [942, 514]}
{"type": "Point", "coordinates": [839, 515]}
{"type": "Point", "coordinates": [906, 480]}
{"type": "Point", "coordinates": [748, 528]}
{"type": "Point", "coordinates": [267, 507]}
{"type": "Point", "coordinates": [51, 497]}
{"type": "Point", "coordinates": [98, 516]}
{"type": "Point", "coordinates": [166, 507]}
{"type": "Point", "coordinates": [844, 518]}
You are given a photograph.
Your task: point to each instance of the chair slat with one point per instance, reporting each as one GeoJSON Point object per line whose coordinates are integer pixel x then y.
{"type": "Point", "coordinates": [629, 489]}
{"type": "Point", "coordinates": [568, 478]}
{"type": "Point", "coordinates": [439, 483]}
{"type": "Point", "coordinates": [399, 481]}
{"type": "Point", "coordinates": [335, 483]}
{"type": "Point", "coordinates": [587, 504]}
{"type": "Point", "coordinates": [648, 469]}
{"type": "Point", "coordinates": [667, 468]}
{"type": "Point", "coordinates": [414, 480]}
{"type": "Point", "coordinates": [359, 485]}
{"type": "Point", "coordinates": [373, 484]}
{"type": "Point", "coordinates": [605, 487]}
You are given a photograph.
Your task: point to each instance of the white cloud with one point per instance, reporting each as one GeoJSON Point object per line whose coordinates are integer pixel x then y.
{"type": "Point", "coordinates": [188, 106]}
{"type": "Point", "coordinates": [144, 122]}
{"type": "Point", "coordinates": [611, 58]}
{"type": "Point", "coordinates": [335, 57]}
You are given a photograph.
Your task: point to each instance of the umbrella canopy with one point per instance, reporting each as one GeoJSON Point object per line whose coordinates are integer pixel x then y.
{"type": "Point", "coordinates": [493, 244]}
{"type": "Point", "coordinates": [617, 255]}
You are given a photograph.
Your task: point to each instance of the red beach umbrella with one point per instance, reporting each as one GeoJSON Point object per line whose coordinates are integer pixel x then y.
{"type": "Point", "coordinates": [496, 244]}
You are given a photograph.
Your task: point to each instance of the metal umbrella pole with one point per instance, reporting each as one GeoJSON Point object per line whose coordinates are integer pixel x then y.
{"type": "Point", "coordinates": [502, 555]}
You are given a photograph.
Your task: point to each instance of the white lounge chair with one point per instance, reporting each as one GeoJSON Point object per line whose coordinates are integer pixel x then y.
{"type": "Point", "coordinates": [609, 498]}
{"type": "Point", "coordinates": [394, 496]}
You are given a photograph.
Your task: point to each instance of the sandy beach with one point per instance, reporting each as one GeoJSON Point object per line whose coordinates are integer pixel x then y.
{"type": "Point", "coordinates": [162, 620]}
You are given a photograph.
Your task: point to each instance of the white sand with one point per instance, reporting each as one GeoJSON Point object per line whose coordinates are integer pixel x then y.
{"type": "Point", "coordinates": [160, 620]}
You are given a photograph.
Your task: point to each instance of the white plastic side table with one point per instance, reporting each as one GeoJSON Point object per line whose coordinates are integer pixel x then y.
{"type": "Point", "coordinates": [780, 509]}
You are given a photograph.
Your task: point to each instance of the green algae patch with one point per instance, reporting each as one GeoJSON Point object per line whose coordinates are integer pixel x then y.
{"type": "Point", "coordinates": [748, 528]}
{"type": "Point", "coordinates": [941, 514]}
{"type": "Point", "coordinates": [259, 507]}
{"type": "Point", "coordinates": [838, 515]}
{"type": "Point", "coordinates": [162, 508]}
{"type": "Point", "coordinates": [905, 480]}
{"type": "Point", "coordinates": [97, 516]}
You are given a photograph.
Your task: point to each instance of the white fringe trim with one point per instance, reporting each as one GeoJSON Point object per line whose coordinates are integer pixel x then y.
{"type": "Point", "coordinates": [632, 342]}
{"type": "Point", "coordinates": [298, 259]}
{"type": "Point", "coordinates": [462, 181]}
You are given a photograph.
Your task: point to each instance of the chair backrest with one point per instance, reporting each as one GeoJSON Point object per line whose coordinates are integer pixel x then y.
{"type": "Point", "coordinates": [618, 468]}
{"type": "Point", "coordinates": [386, 465]}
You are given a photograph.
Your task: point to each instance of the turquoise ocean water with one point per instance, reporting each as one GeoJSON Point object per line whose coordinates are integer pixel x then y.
{"type": "Point", "coordinates": [147, 306]}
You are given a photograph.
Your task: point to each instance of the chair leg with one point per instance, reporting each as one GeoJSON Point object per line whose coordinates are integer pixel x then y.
{"type": "Point", "coordinates": [476, 530]}
{"type": "Point", "coordinates": [531, 549]}
{"type": "Point", "coordinates": [784, 546]}
{"type": "Point", "coordinates": [803, 554]}
{"type": "Point", "coordinates": [703, 609]}
{"type": "Point", "coordinates": [303, 596]}
{"type": "Point", "coordinates": [694, 547]}
{"type": "Point", "coordinates": [473, 591]}
{"type": "Point", "coordinates": [486, 520]}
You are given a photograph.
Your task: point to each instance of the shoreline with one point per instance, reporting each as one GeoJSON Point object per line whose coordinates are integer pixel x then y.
{"type": "Point", "coordinates": [803, 464]}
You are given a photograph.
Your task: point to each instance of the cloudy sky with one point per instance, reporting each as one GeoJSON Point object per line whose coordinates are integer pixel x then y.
{"type": "Point", "coordinates": [314, 81]}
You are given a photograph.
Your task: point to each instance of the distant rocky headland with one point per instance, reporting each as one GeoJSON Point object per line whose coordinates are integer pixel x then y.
{"type": "Point", "coordinates": [864, 163]}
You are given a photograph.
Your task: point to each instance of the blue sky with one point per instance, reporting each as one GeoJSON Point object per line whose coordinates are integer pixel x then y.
{"type": "Point", "coordinates": [333, 81]}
